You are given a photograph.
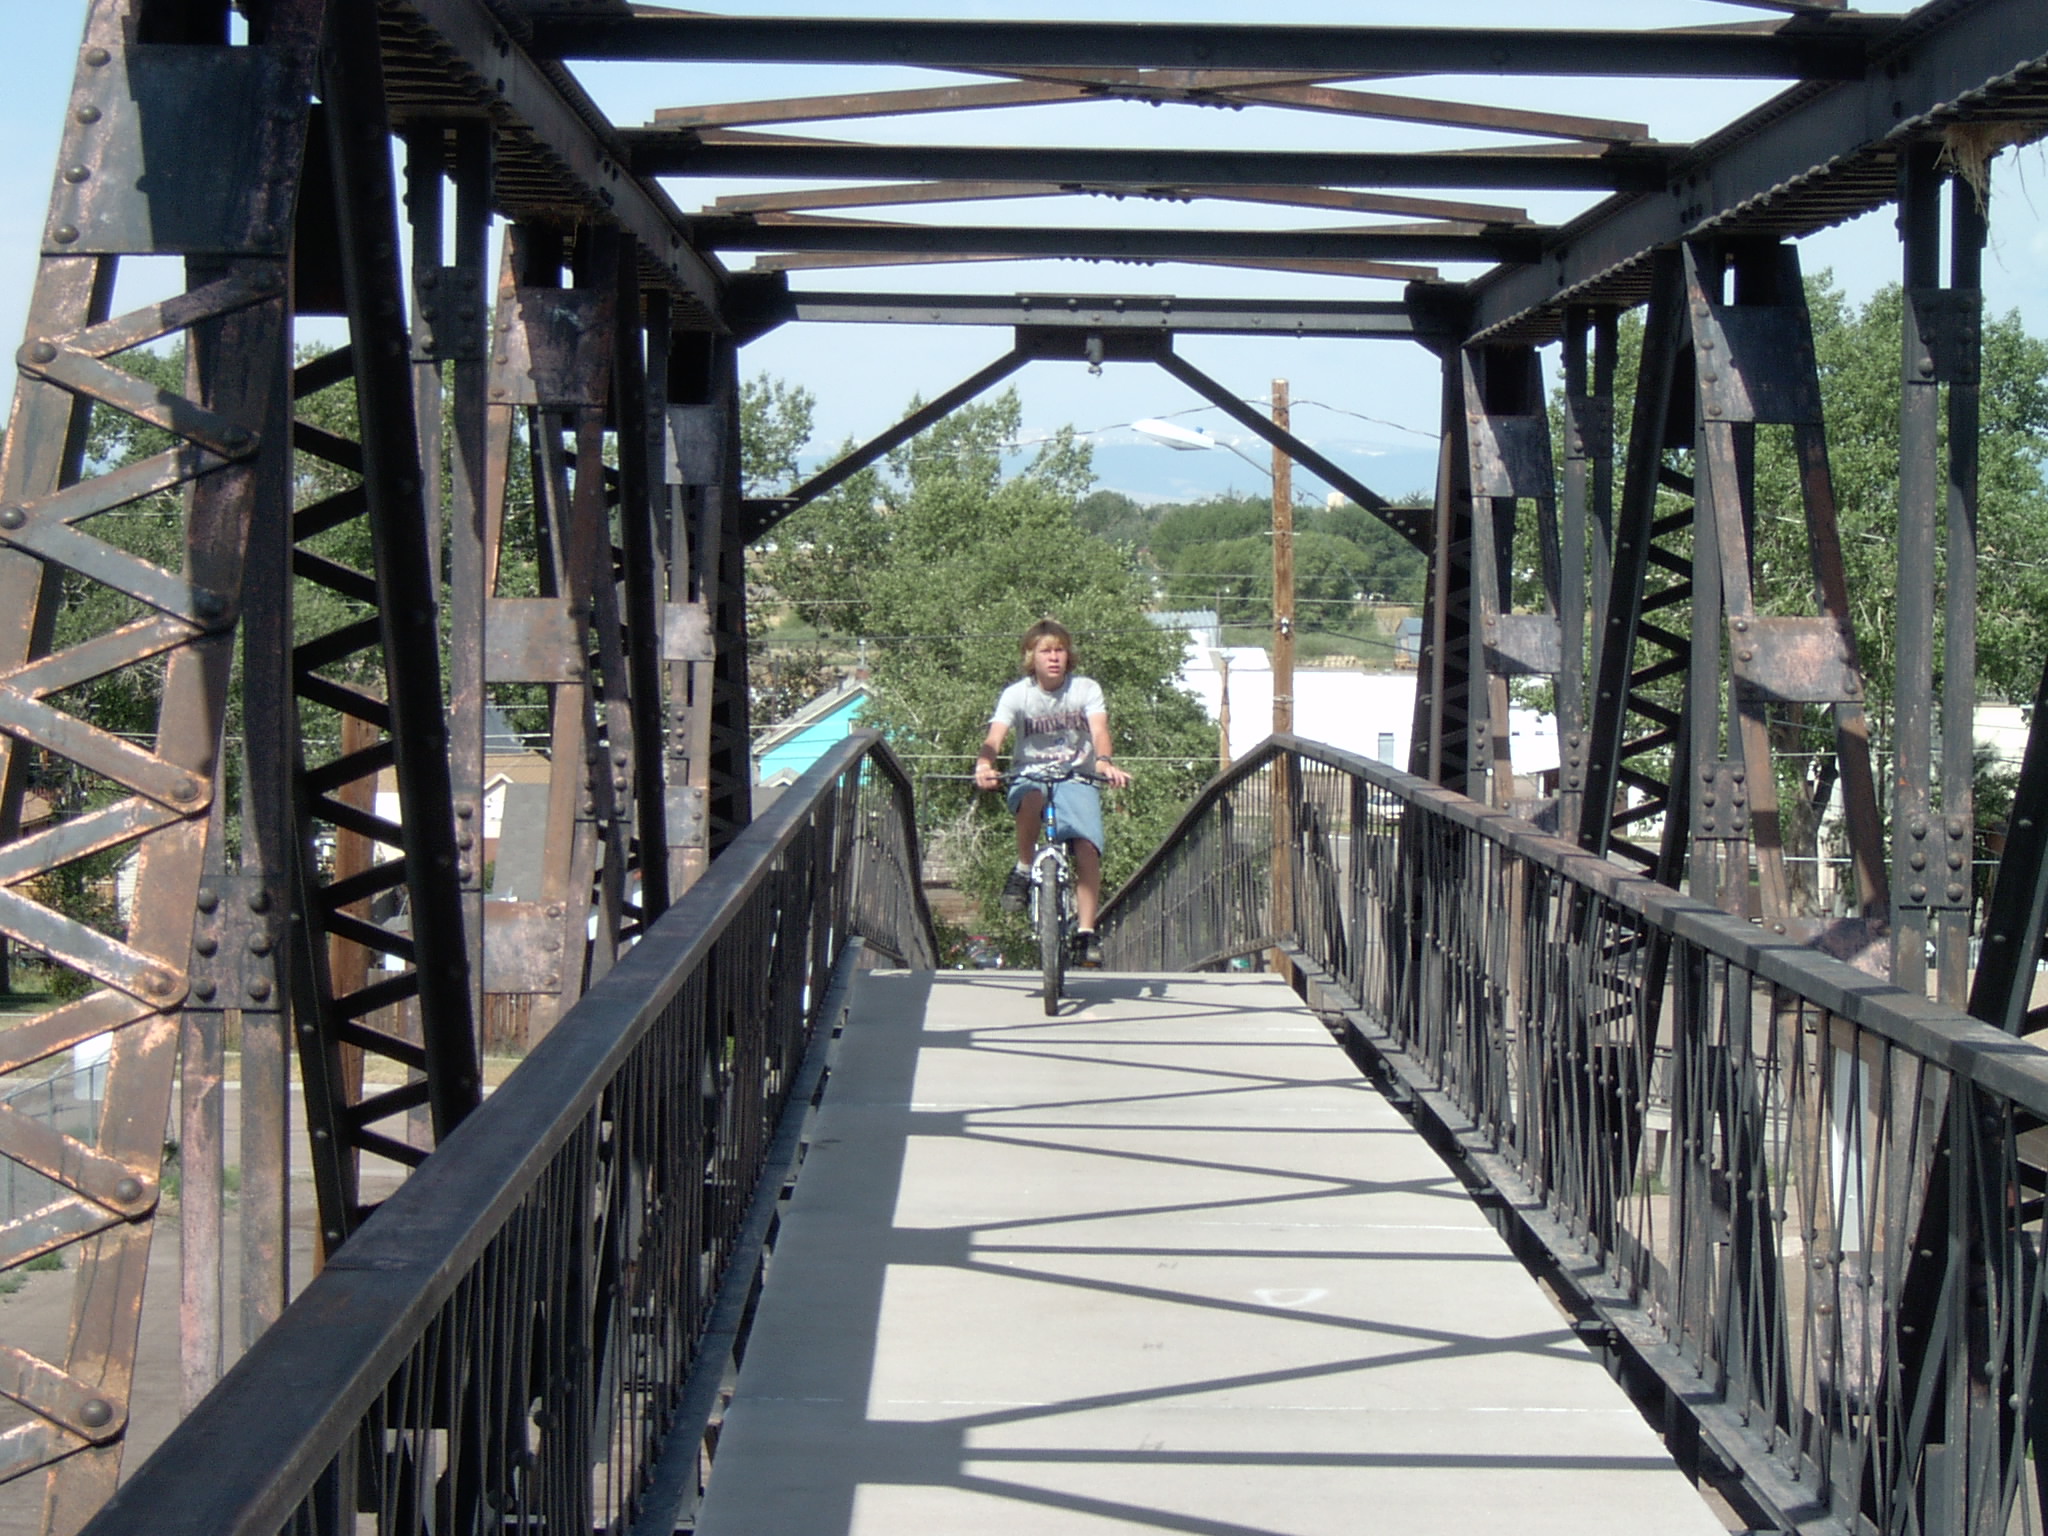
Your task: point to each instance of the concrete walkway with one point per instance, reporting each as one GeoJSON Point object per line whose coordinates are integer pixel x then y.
{"type": "Point", "coordinates": [1163, 1263]}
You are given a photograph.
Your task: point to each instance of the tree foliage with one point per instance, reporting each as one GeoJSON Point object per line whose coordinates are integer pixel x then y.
{"type": "Point", "coordinates": [941, 559]}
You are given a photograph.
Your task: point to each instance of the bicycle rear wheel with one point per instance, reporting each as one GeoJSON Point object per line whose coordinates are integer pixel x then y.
{"type": "Point", "coordinates": [1052, 944]}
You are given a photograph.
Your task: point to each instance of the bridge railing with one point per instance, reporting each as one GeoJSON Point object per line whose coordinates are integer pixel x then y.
{"type": "Point", "coordinates": [509, 1343]}
{"type": "Point", "coordinates": [1802, 1205]}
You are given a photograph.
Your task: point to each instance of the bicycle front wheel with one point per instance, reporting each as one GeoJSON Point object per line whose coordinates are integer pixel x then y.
{"type": "Point", "coordinates": [1052, 948]}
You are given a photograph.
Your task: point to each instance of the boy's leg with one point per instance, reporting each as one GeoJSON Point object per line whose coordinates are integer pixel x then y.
{"type": "Point", "coordinates": [1087, 882]}
{"type": "Point", "coordinates": [1030, 814]}
{"type": "Point", "coordinates": [1030, 808]}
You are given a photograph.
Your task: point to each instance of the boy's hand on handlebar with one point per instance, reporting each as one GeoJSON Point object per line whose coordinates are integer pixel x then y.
{"type": "Point", "coordinates": [1112, 775]}
{"type": "Point", "coordinates": [985, 775]}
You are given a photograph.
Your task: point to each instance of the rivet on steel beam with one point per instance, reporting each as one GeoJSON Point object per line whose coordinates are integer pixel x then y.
{"type": "Point", "coordinates": [12, 517]}
{"type": "Point", "coordinates": [1917, 892]}
{"type": "Point", "coordinates": [77, 173]}
{"type": "Point", "coordinates": [259, 988]}
{"type": "Point", "coordinates": [259, 900]}
{"type": "Point", "coordinates": [42, 352]}
{"type": "Point", "coordinates": [206, 944]}
{"type": "Point", "coordinates": [204, 990]}
{"type": "Point", "coordinates": [97, 57]}
{"type": "Point", "coordinates": [464, 809]}
{"type": "Point", "coordinates": [1918, 861]}
{"type": "Point", "coordinates": [208, 898]}
{"type": "Point", "coordinates": [97, 1413]}
{"type": "Point", "coordinates": [129, 1190]}
{"type": "Point", "coordinates": [156, 983]}
{"type": "Point", "coordinates": [236, 439]}
{"type": "Point", "coordinates": [550, 982]}
{"type": "Point", "coordinates": [1955, 892]}
{"type": "Point", "coordinates": [87, 114]}
{"type": "Point", "coordinates": [186, 788]}
{"type": "Point", "coordinates": [1919, 828]}
{"type": "Point", "coordinates": [66, 234]}
{"type": "Point", "coordinates": [209, 605]}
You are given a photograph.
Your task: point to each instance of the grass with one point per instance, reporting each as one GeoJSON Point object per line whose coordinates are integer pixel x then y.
{"type": "Point", "coordinates": [16, 1278]}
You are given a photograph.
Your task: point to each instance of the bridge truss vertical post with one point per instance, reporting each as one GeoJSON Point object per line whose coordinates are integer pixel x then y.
{"type": "Point", "coordinates": [1440, 743]}
{"type": "Point", "coordinates": [1507, 435]}
{"type": "Point", "coordinates": [1635, 727]}
{"type": "Point", "coordinates": [1940, 353]}
{"type": "Point", "coordinates": [710, 754]}
{"type": "Point", "coordinates": [1586, 536]}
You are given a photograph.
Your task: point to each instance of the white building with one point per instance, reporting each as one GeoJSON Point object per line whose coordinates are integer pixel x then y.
{"type": "Point", "coordinates": [1371, 714]}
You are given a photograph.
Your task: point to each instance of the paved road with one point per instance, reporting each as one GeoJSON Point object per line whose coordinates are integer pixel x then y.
{"type": "Point", "coordinates": [1163, 1263]}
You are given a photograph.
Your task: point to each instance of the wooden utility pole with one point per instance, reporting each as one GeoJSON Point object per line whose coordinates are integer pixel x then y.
{"type": "Point", "coordinates": [1283, 571]}
{"type": "Point", "coordinates": [1284, 787]}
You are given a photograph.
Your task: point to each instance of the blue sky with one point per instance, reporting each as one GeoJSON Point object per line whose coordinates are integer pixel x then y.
{"type": "Point", "coordinates": [1371, 404]}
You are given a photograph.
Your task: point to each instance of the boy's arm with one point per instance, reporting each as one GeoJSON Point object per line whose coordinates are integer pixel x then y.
{"type": "Point", "coordinates": [985, 775]}
{"type": "Point", "coordinates": [1098, 731]}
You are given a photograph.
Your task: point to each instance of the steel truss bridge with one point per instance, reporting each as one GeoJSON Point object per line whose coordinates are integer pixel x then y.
{"type": "Point", "coordinates": [1838, 1295]}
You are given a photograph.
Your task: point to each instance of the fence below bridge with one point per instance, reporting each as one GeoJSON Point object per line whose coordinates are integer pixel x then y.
{"type": "Point", "coordinates": [1803, 1205]}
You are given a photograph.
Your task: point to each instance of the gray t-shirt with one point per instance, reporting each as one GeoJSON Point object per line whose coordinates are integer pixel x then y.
{"type": "Point", "coordinates": [1051, 727]}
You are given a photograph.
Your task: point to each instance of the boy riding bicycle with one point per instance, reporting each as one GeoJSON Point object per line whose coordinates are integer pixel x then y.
{"type": "Point", "coordinates": [1061, 720]}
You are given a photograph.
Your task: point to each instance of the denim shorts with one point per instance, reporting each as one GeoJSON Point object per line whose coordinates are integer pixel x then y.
{"type": "Point", "coordinates": [1077, 807]}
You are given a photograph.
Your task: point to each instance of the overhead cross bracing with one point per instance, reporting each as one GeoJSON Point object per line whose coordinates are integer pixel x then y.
{"type": "Point", "coordinates": [1856, 88]}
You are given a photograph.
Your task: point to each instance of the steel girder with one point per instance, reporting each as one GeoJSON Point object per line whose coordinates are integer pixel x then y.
{"type": "Point", "coordinates": [1179, 316]}
{"type": "Point", "coordinates": [1817, 155]}
{"type": "Point", "coordinates": [1602, 168]}
{"type": "Point", "coordinates": [1816, 46]}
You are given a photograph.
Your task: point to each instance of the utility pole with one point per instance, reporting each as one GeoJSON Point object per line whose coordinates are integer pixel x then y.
{"type": "Point", "coordinates": [1284, 787]}
{"type": "Point", "coordinates": [1283, 571]}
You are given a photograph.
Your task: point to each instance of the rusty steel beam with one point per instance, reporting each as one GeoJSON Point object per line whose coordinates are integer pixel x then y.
{"type": "Point", "coordinates": [1367, 244]}
{"type": "Point", "coordinates": [470, 43]}
{"type": "Point", "coordinates": [1806, 161]}
{"type": "Point", "coordinates": [1195, 317]}
{"type": "Point", "coordinates": [905, 194]}
{"type": "Point", "coordinates": [1641, 168]}
{"type": "Point", "coordinates": [1309, 98]}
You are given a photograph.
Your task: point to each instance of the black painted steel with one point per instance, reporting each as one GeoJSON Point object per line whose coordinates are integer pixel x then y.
{"type": "Point", "coordinates": [1128, 312]}
{"type": "Point", "coordinates": [1819, 47]}
{"type": "Point", "coordinates": [510, 1341]}
{"type": "Point", "coordinates": [1797, 1198]}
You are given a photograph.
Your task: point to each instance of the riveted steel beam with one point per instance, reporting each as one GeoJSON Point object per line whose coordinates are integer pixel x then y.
{"type": "Point", "coordinates": [1815, 156]}
{"type": "Point", "coordinates": [1101, 312]}
{"type": "Point", "coordinates": [1121, 244]}
{"type": "Point", "coordinates": [471, 53]}
{"type": "Point", "coordinates": [1637, 168]}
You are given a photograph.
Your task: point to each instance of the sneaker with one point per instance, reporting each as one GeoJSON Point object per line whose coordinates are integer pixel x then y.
{"type": "Point", "coordinates": [1087, 949]}
{"type": "Point", "coordinates": [1016, 890]}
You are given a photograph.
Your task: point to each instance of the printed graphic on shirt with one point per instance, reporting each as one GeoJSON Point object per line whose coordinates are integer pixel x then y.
{"type": "Point", "coordinates": [1052, 728]}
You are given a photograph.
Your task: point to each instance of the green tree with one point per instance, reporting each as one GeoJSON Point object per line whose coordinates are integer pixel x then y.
{"type": "Point", "coordinates": [775, 423]}
{"type": "Point", "coordinates": [941, 560]}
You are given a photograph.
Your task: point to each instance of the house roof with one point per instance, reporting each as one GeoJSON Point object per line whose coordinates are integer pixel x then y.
{"type": "Point", "coordinates": [826, 704]}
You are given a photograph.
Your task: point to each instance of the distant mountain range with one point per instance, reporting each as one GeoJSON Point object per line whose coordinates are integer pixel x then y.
{"type": "Point", "coordinates": [1148, 473]}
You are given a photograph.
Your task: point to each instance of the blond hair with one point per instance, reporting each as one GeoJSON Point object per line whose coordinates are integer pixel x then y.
{"type": "Point", "coordinates": [1043, 630]}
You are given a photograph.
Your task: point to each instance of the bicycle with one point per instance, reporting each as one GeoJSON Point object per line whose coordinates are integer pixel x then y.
{"type": "Point", "coordinates": [1051, 903]}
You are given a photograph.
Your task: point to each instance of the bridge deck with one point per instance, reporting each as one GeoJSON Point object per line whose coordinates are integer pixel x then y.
{"type": "Point", "coordinates": [1163, 1263]}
